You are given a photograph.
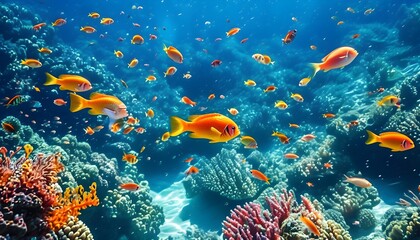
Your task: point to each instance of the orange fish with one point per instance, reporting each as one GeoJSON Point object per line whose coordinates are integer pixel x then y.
{"type": "Point", "coordinates": [132, 120]}
{"type": "Point", "coordinates": [338, 58]}
{"type": "Point", "coordinates": [213, 126]}
{"type": "Point", "coordinates": [118, 54]}
{"type": "Point", "coordinates": [127, 130]}
{"type": "Point", "coordinates": [38, 26]}
{"type": "Point", "coordinates": [173, 54]}
{"type": "Point", "coordinates": [233, 111]}
{"type": "Point", "coordinates": [188, 159]}
{"type": "Point", "coordinates": [137, 39]}
{"type": "Point", "coordinates": [232, 32]}
{"type": "Point", "coordinates": [291, 156]}
{"type": "Point", "coordinates": [130, 158]}
{"type": "Point", "coordinates": [313, 47]}
{"type": "Point", "coordinates": [32, 63]}
{"type": "Point", "coordinates": [45, 50]}
{"type": "Point", "coordinates": [395, 141]}
{"type": "Point", "coordinates": [328, 115]}
{"type": "Point", "coordinates": [140, 130]}
{"type": "Point", "coordinates": [328, 165]}
{"type": "Point", "coordinates": [353, 123]}
{"type": "Point", "coordinates": [211, 97]}
{"type": "Point", "coordinates": [107, 21]}
{"type": "Point", "coordinates": [270, 88]}
{"type": "Point", "coordinates": [142, 149]}
{"type": "Point", "coordinates": [360, 182]}
{"type": "Point", "coordinates": [192, 170]}
{"type": "Point", "coordinates": [94, 15]}
{"type": "Point", "coordinates": [165, 137]}
{"type": "Point", "coordinates": [263, 59]}
{"type": "Point", "coordinates": [170, 71]}
{"type": "Point", "coordinates": [124, 83]}
{"type": "Point", "coordinates": [310, 225]}
{"type": "Point", "coordinates": [8, 127]}
{"type": "Point", "coordinates": [297, 97]}
{"type": "Point", "coordinates": [89, 130]}
{"type": "Point", "coordinates": [150, 113]}
{"type": "Point", "coordinates": [283, 138]}
{"type": "Point", "coordinates": [289, 36]}
{"type": "Point", "coordinates": [130, 186]}
{"type": "Point", "coordinates": [59, 102]}
{"type": "Point", "coordinates": [259, 175]}
{"type": "Point", "coordinates": [88, 29]}
{"type": "Point", "coordinates": [151, 78]}
{"type": "Point", "coordinates": [250, 83]}
{"type": "Point", "coordinates": [280, 104]}
{"type": "Point", "coordinates": [340, 23]}
{"type": "Point", "coordinates": [307, 137]}
{"type": "Point", "coordinates": [99, 104]}
{"type": "Point", "coordinates": [69, 82]}
{"type": "Point", "coordinates": [294, 125]}
{"type": "Point", "coordinates": [59, 22]}
{"type": "Point", "coordinates": [188, 101]}
{"type": "Point", "coordinates": [309, 184]}
{"type": "Point", "coordinates": [133, 63]}
{"type": "Point", "coordinates": [355, 36]}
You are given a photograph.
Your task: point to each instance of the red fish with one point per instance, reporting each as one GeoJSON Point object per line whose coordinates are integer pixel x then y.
{"type": "Point", "coordinates": [290, 36]}
{"type": "Point", "coordinates": [216, 63]}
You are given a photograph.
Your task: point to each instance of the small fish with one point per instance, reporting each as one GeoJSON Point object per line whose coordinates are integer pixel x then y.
{"type": "Point", "coordinates": [304, 81]}
{"type": "Point", "coordinates": [140, 130]}
{"type": "Point", "coordinates": [32, 63]}
{"type": "Point", "coordinates": [328, 115]}
{"type": "Point", "coordinates": [188, 101]}
{"type": "Point", "coordinates": [263, 59]}
{"type": "Point", "coordinates": [233, 111]}
{"type": "Point", "coordinates": [130, 158]}
{"type": "Point", "coordinates": [249, 142]}
{"type": "Point", "coordinates": [36, 89]}
{"type": "Point", "coordinates": [310, 225]}
{"type": "Point", "coordinates": [192, 170]}
{"type": "Point", "coordinates": [142, 149]}
{"type": "Point", "coordinates": [137, 39]}
{"type": "Point", "coordinates": [259, 175]}
{"type": "Point", "coordinates": [173, 54]}
{"type": "Point", "coordinates": [359, 182]}
{"type": "Point", "coordinates": [28, 149]}
{"type": "Point", "coordinates": [132, 120]}
{"type": "Point", "coordinates": [165, 137]}
{"type": "Point", "coordinates": [127, 130]}
{"type": "Point", "coordinates": [59, 22]}
{"type": "Point", "coordinates": [294, 19]}
{"type": "Point", "coordinates": [291, 156]}
{"type": "Point", "coordinates": [59, 102]}
{"type": "Point", "coordinates": [351, 10]}
{"type": "Point", "coordinates": [281, 105]}
{"type": "Point", "coordinates": [250, 83]}
{"type": "Point", "coordinates": [313, 47]}
{"type": "Point", "coordinates": [152, 78]}
{"type": "Point", "coordinates": [355, 36]}
{"type": "Point", "coordinates": [283, 138]}
{"type": "Point", "coordinates": [244, 40]}
{"type": "Point", "coordinates": [216, 63]}
{"type": "Point", "coordinates": [340, 23]}
{"type": "Point", "coordinates": [270, 88]}
{"type": "Point", "coordinates": [45, 50]}
{"type": "Point", "coordinates": [353, 123]}
{"type": "Point", "coordinates": [130, 186]}
{"type": "Point", "coordinates": [290, 36]}
{"type": "Point", "coordinates": [310, 184]}
{"type": "Point", "coordinates": [150, 113]}
{"type": "Point", "coordinates": [390, 101]}
{"type": "Point", "coordinates": [170, 71]}
{"type": "Point", "coordinates": [133, 63]}
{"type": "Point", "coordinates": [395, 141]}
{"type": "Point", "coordinates": [187, 76]}
{"type": "Point", "coordinates": [107, 21]}
{"type": "Point", "coordinates": [307, 137]}
{"type": "Point", "coordinates": [297, 97]}
{"type": "Point", "coordinates": [124, 83]}
{"type": "Point", "coordinates": [88, 29]}
{"type": "Point", "coordinates": [294, 125]}
{"type": "Point", "coordinates": [232, 32]}
{"type": "Point", "coordinates": [118, 54]}
{"type": "Point", "coordinates": [188, 159]}
{"type": "Point", "coordinates": [38, 26]}
{"type": "Point", "coordinates": [89, 130]}
{"type": "Point", "coordinates": [328, 165]}
{"type": "Point", "coordinates": [152, 37]}
{"type": "Point", "coordinates": [369, 11]}
{"type": "Point", "coordinates": [94, 15]}
{"type": "Point", "coordinates": [211, 97]}
{"type": "Point", "coordinates": [8, 127]}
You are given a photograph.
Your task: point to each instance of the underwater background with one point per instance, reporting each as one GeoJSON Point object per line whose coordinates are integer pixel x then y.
{"type": "Point", "coordinates": [188, 188]}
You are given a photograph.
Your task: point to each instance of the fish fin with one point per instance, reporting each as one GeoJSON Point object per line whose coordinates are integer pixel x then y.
{"type": "Point", "coordinates": [193, 118]}
{"type": "Point", "coordinates": [68, 76]}
{"type": "Point", "coordinates": [77, 102]}
{"type": "Point", "coordinates": [316, 67]}
{"type": "Point", "coordinates": [51, 80]}
{"type": "Point", "coordinates": [214, 130]}
{"type": "Point", "coordinates": [194, 135]}
{"type": "Point", "coordinates": [96, 95]}
{"type": "Point", "coordinates": [109, 112]}
{"type": "Point", "coordinates": [214, 141]}
{"type": "Point", "coordinates": [346, 177]}
{"type": "Point", "coordinates": [395, 150]}
{"type": "Point", "coordinates": [178, 126]}
{"type": "Point", "coordinates": [372, 138]}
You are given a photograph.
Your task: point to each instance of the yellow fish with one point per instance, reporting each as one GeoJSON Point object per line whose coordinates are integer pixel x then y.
{"type": "Point", "coordinates": [213, 126]}
{"type": "Point", "coordinates": [69, 82]}
{"type": "Point", "coordinates": [28, 149]}
{"type": "Point", "coordinates": [395, 141]}
{"type": "Point", "coordinates": [249, 142]}
{"type": "Point", "coordinates": [389, 101]}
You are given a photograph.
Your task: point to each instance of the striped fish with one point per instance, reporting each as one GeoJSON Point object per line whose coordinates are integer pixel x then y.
{"type": "Point", "coordinates": [16, 100]}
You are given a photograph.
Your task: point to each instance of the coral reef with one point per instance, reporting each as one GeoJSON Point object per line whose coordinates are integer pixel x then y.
{"type": "Point", "coordinates": [143, 217]}
{"type": "Point", "coordinates": [402, 223]}
{"type": "Point", "coordinates": [281, 219]}
{"type": "Point", "coordinates": [29, 201]}
{"type": "Point", "coordinates": [225, 175]}
{"type": "Point", "coordinates": [74, 229]}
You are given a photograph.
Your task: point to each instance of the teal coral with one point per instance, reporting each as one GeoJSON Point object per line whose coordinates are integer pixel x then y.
{"type": "Point", "coordinates": [402, 224]}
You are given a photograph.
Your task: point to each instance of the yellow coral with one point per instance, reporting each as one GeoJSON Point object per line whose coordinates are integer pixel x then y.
{"type": "Point", "coordinates": [70, 204]}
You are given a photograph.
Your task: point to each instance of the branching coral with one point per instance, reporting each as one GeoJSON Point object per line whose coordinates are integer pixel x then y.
{"type": "Point", "coordinates": [29, 203]}
{"type": "Point", "coordinates": [279, 220]}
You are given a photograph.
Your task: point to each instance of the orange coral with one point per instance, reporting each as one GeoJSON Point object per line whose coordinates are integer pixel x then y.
{"type": "Point", "coordinates": [70, 204]}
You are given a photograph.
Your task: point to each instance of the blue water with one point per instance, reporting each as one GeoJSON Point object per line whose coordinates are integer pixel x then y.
{"type": "Point", "coordinates": [178, 23]}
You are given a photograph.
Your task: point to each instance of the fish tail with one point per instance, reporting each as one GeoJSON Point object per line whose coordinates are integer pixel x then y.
{"type": "Point", "coordinates": [372, 138]}
{"type": "Point", "coordinates": [380, 103]}
{"type": "Point", "coordinates": [165, 48]}
{"type": "Point", "coordinates": [77, 102]}
{"type": "Point", "coordinates": [316, 67]}
{"type": "Point", "coordinates": [51, 80]}
{"type": "Point", "coordinates": [177, 126]}
{"type": "Point", "coordinates": [22, 62]}
{"type": "Point", "coordinates": [164, 74]}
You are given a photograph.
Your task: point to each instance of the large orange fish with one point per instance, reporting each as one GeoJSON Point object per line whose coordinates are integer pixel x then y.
{"type": "Point", "coordinates": [310, 225]}
{"type": "Point", "coordinates": [100, 104]}
{"type": "Point", "coordinates": [395, 141]}
{"type": "Point", "coordinates": [173, 54]}
{"type": "Point", "coordinates": [69, 82]}
{"type": "Point", "coordinates": [213, 126]}
{"type": "Point", "coordinates": [338, 58]}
